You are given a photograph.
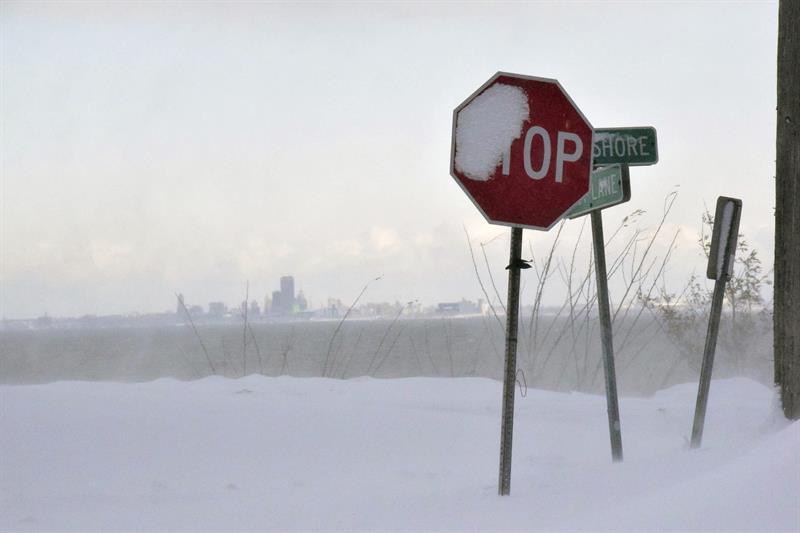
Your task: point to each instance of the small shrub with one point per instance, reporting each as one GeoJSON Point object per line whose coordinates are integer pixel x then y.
{"type": "Point", "coordinates": [746, 318]}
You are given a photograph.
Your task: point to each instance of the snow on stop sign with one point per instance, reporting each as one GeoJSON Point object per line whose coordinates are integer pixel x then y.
{"type": "Point", "coordinates": [521, 150]}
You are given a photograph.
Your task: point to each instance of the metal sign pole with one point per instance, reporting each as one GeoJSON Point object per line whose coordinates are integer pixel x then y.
{"type": "Point", "coordinates": [708, 363]}
{"type": "Point", "coordinates": [512, 311]}
{"type": "Point", "coordinates": [720, 268]}
{"type": "Point", "coordinates": [614, 428]}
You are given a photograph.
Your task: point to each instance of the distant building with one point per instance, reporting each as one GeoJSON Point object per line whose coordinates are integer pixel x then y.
{"type": "Point", "coordinates": [380, 309]}
{"type": "Point", "coordinates": [284, 301]}
{"type": "Point", "coordinates": [255, 310]}
{"type": "Point", "coordinates": [448, 307]}
{"type": "Point", "coordinates": [276, 308]}
{"type": "Point", "coordinates": [302, 303]}
{"type": "Point", "coordinates": [413, 308]}
{"type": "Point", "coordinates": [217, 309]}
{"type": "Point", "coordinates": [44, 321]}
{"type": "Point", "coordinates": [464, 307]}
{"type": "Point", "coordinates": [334, 308]}
{"type": "Point", "coordinates": [287, 295]}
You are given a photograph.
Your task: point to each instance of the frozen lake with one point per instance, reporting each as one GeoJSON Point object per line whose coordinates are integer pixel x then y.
{"type": "Point", "coordinates": [553, 353]}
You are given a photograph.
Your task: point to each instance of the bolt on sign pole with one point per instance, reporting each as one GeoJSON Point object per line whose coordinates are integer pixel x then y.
{"type": "Point", "coordinates": [720, 268]}
{"type": "Point", "coordinates": [598, 244]}
{"type": "Point", "coordinates": [509, 377]}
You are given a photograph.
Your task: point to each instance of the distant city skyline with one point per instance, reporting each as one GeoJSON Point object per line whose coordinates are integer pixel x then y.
{"type": "Point", "coordinates": [189, 312]}
{"type": "Point", "coordinates": [283, 303]}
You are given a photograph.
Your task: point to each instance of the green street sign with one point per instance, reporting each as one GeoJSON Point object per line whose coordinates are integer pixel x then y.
{"type": "Point", "coordinates": [626, 146]}
{"type": "Point", "coordinates": [609, 186]}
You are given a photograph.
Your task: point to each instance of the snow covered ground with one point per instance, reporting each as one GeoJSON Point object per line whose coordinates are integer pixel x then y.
{"type": "Point", "coordinates": [368, 454]}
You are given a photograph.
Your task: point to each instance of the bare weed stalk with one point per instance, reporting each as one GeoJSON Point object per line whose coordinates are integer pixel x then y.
{"type": "Point", "coordinates": [199, 338]}
{"type": "Point", "coordinates": [383, 339]}
{"type": "Point", "coordinates": [286, 347]}
{"type": "Point", "coordinates": [325, 365]}
{"type": "Point", "coordinates": [480, 281]}
{"type": "Point", "coordinates": [244, 330]}
{"type": "Point", "coordinates": [533, 323]}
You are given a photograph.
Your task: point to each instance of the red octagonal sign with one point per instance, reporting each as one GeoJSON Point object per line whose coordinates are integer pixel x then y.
{"type": "Point", "coordinates": [521, 150]}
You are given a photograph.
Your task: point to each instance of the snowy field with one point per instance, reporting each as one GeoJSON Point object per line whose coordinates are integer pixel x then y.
{"type": "Point", "coordinates": [292, 453]}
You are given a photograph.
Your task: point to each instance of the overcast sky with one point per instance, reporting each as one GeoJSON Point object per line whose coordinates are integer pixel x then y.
{"type": "Point", "coordinates": [156, 148]}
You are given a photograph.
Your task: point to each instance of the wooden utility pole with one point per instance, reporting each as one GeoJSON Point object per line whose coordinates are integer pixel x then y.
{"type": "Point", "coordinates": [787, 211]}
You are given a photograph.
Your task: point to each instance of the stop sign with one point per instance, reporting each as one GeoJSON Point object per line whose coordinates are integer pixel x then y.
{"type": "Point", "coordinates": [521, 150]}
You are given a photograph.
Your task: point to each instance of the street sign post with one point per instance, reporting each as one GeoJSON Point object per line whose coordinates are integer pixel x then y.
{"type": "Point", "coordinates": [606, 335]}
{"type": "Point", "coordinates": [629, 146]}
{"type": "Point", "coordinates": [608, 186]}
{"type": "Point", "coordinates": [626, 147]}
{"type": "Point", "coordinates": [522, 152]}
{"type": "Point", "coordinates": [720, 268]}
